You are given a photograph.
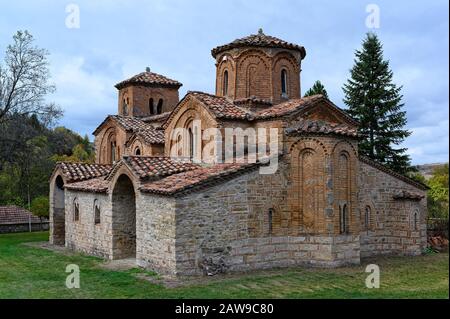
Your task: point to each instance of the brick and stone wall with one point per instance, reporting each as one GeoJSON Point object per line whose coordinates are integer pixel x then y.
{"type": "Point", "coordinates": [228, 226]}
{"type": "Point", "coordinates": [139, 99]}
{"type": "Point", "coordinates": [102, 144]}
{"type": "Point", "coordinates": [257, 72]}
{"type": "Point", "coordinates": [390, 228]}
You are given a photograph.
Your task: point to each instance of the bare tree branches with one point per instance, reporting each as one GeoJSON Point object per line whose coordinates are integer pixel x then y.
{"type": "Point", "coordinates": [24, 81]}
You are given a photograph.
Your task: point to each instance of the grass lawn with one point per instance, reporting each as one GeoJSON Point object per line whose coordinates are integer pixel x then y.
{"type": "Point", "coordinates": [28, 272]}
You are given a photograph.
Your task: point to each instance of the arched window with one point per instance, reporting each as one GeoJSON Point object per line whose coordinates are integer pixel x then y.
{"type": "Point", "coordinates": [76, 210]}
{"type": "Point", "coordinates": [284, 82]}
{"type": "Point", "coordinates": [124, 107]}
{"type": "Point", "coordinates": [225, 83]}
{"type": "Point", "coordinates": [159, 106]}
{"type": "Point", "coordinates": [137, 151]}
{"type": "Point", "coordinates": [343, 219]}
{"type": "Point", "coordinates": [191, 143]}
{"type": "Point", "coordinates": [96, 212]}
{"type": "Point", "coordinates": [270, 221]}
{"type": "Point", "coordinates": [367, 218]}
{"type": "Point", "coordinates": [416, 220]}
{"type": "Point", "coordinates": [113, 152]}
{"type": "Point", "coordinates": [59, 182]}
{"type": "Point", "coordinates": [179, 146]}
{"type": "Point", "coordinates": [151, 106]}
{"type": "Point", "coordinates": [195, 141]}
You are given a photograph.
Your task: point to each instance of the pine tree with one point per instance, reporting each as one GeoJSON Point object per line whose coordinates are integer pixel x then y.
{"type": "Point", "coordinates": [375, 101]}
{"type": "Point", "coordinates": [317, 88]}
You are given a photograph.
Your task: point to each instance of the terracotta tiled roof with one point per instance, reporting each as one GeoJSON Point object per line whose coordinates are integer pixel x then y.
{"type": "Point", "coordinates": [94, 185]}
{"type": "Point", "coordinates": [321, 127]}
{"type": "Point", "coordinates": [299, 105]}
{"type": "Point", "coordinates": [129, 124]}
{"type": "Point", "coordinates": [288, 107]}
{"type": "Point", "coordinates": [200, 177]}
{"type": "Point", "coordinates": [249, 101]}
{"type": "Point", "coordinates": [408, 195]}
{"type": "Point", "coordinates": [222, 107]}
{"type": "Point", "coordinates": [152, 135]}
{"type": "Point", "coordinates": [147, 167]}
{"type": "Point", "coordinates": [156, 118]}
{"type": "Point", "coordinates": [149, 78]}
{"type": "Point", "coordinates": [259, 40]}
{"type": "Point", "coordinates": [383, 168]}
{"type": "Point", "coordinates": [74, 172]}
{"type": "Point", "coordinates": [17, 215]}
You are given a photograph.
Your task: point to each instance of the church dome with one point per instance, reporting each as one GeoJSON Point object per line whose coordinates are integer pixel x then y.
{"type": "Point", "coordinates": [259, 40]}
{"type": "Point", "coordinates": [149, 78]}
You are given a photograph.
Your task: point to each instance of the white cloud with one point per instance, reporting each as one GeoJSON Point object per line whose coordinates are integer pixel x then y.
{"type": "Point", "coordinates": [86, 97]}
{"type": "Point", "coordinates": [429, 144]}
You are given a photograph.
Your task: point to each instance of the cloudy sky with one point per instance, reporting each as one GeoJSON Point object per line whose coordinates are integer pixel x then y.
{"type": "Point", "coordinates": [117, 39]}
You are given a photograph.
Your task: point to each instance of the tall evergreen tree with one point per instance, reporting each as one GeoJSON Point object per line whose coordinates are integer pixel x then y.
{"type": "Point", "coordinates": [317, 88]}
{"type": "Point", "coordinates": [375, 101]}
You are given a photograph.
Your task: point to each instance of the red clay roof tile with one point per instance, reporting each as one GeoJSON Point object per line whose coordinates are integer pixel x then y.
{"type": "Point", "coordinates": [94, 185]}
{"type": "Point", "coordinates": [202, 176]}
{"type": "Point", "coordinates": [259, 40]}
{"type": "Point", "coordinates": [17, 215]}
{"type": "Point", "coordinates": [321, 127]}
{"type": "Point", "coordinates": [149, 78]}
{"type": "Point", "coordinates": [73, 172]}
{"type": "Point", "coordinates": [156, 166]}
{"type": "Point", "coordinates": [221, 107]}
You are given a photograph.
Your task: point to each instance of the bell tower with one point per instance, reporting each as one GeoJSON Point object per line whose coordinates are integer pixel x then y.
{"type": "Point", "coordinates": [259, 67]}
{"type": "Point", "coordinates": [147, 94]}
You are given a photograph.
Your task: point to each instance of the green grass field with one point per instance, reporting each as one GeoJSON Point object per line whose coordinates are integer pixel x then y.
{"type": "Point", "coordinates": [31, 272]}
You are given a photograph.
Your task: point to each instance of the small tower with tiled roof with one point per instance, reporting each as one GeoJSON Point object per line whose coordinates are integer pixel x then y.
{"type": "Point", "coordinates": [147, 94]}
{"type": "Point", "coordinates": [259, 67]}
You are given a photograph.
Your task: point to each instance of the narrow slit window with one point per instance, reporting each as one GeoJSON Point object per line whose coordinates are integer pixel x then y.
{"type": "Point", "coordinates": [270, 221]}
{"type": "Point", "coordinates": [225, 83]}
{"type": "Point", "coordinates": [96, 212]}
{"type": "Point", "coordinates": [416, 221]}
{"type": "Point", "coordinates": [151, 107]}
{"type": "Point", "coordinates": [283, 82]}
{"type": "Point", "coordinates": [159, 106]}
{"type": "Point", "coordinates": [76, 210]}
{"type": "Point", "coordinates": [367, 218]}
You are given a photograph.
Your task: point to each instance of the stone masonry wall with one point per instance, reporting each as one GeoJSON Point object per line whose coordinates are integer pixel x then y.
{"type": "Point", "coordinates": [391, 228]}
{"type": "Point", "coordinates": [155, 233]}
{"type": "Point", "coordinates": [84, 235]}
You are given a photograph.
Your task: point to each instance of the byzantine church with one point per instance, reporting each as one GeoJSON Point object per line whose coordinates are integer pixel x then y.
{"type": "Point", "coordinates": [160, 194]}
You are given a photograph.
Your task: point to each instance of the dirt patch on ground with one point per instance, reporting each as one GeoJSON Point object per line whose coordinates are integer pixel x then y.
{"type": "Point", "coordinates": [119, 265]}
{"type": "Point", "coordinates": [46, 245]}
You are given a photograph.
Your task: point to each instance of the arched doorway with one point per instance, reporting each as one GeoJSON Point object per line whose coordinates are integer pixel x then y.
{"type": "Point", "coordinates": [59, 214]}
{"type": "Point", "coordinates": [123, 219]}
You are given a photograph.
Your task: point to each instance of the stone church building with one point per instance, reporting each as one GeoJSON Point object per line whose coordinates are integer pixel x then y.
{"type": "Point", "coordinates": [161, 192]}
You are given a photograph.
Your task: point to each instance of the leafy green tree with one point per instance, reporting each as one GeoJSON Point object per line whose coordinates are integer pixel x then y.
{"type": "Point", "coordinates": [317, 88]}
{"type": "Point", "coordinates": [40, 206]}
{"type": "Point", "coordinates": [438, 193]}
{"type": "Point", "coordinates": [376, 102]}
